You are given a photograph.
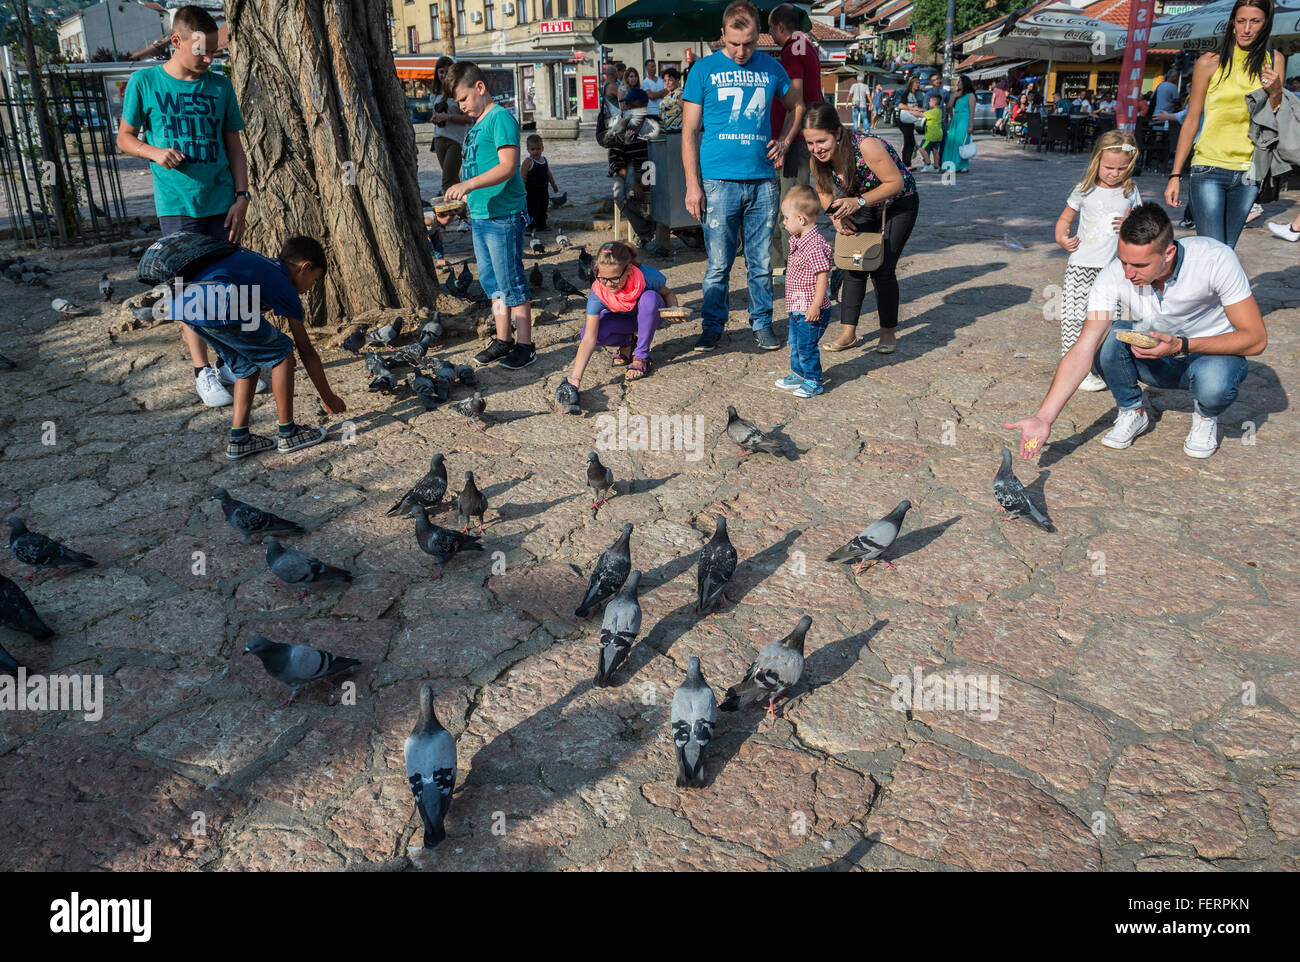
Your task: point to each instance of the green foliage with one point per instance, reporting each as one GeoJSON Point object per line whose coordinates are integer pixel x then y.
{"type": "Point", "coordinates": [45, 34]}
{"type": "Point", "coordinates": [929, 17]}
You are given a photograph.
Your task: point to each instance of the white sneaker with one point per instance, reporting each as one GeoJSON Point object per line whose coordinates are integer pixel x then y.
{"type": "Point", "coordinates": [1128, 425]}
{"type": "Point", "coordinates": [1285, 232]}
{"type": "Point", "coordinates": [227, 377]}
{"type": "Point", "coordinates": [211, 391]}
{"type": "Point", "coordinates": [1203, 438]}
{"type": "Point", "coordinates": [1092, 383]}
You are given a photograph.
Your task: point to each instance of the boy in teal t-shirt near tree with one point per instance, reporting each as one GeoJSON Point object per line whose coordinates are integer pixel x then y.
{"type": "Point", "coordinates": [191, 122]}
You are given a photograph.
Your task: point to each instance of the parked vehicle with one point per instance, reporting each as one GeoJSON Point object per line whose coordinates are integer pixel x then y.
{"type": "Point", "coordinates": [984, 118]}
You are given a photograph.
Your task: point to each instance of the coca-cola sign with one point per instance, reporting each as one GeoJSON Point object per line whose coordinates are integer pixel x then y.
{"type": "Point", "coordinates": [1082, 36]}
{"type": "Point", "coordinates": [1180, 32]}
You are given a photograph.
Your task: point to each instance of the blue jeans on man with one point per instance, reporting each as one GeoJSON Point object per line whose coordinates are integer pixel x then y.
{"type": "Point", "coordinates": [1222, 201]}
{"type": "Point", "coordinates": [733, 206]}
{"type": "Point", "coordinates": [1212, 378]}
{"type": "Point", "coordinates": [861, 119]}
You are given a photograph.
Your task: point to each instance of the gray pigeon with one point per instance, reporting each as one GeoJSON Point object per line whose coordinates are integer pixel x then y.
{"type": "Point", "coordinates": [424, 388]}
{"type": "Point", "coordinates": [296, 665]}
{"type": "Point", "coordinates": [37, 550]}
{"type": "Point", "coordinates": [293, 567]}
{"type": "Point", "coordinates": [66, 308]}
{"type": "Point", "coordinates": [749, 438]}
{"type": "Point", "coordinates": [472, 503]}
{"type": "Point", "coordinates": [427, 492]}
{"type": "Point", "coordinates": [106, 288]}
{"type": "Point", "coordinates": [1011, 495]}
{"type": "Point", "coordinates": [472, 407]}
{"type": "Point", "coordinates": [433, 327]}
{"type": "Point", "coordinates": [599, 478]}
{"type": "Point", "coordinates": [444, 379]}
{"type": "Point", "coordinates": [871, 543]}
{"type": "Point", "coordinates": [562, 242]}
{"type": "Point", "coordinates": [464, 279]}
{"type": "Point", "coordinates": [566, 396]}
{"type": "Point", "coordinates": [252, 522]}
{"type": "Point", "coordinates": [717, 565]}
{"type": "Point", "coordinates": [385, 381]}
{"type": "Point", "coordinates": [608, 575]}
{"type": "Point", "coordinates": [355, 341]}
{"type": "Point", "coordinates": [16, 612]}
{"type": "Point", "coordinates": [431, 767]}
{"type": "Point", "coordinates": [694, 713]}
{"type": "Point", "coordinates": [774, 672]}
{"type": "Point", "coordinates": [465, 374]}
{"type": "Point", "coordinates": [439, 543]}
{"type": "Point", "coordinates": [536, 247]}
{"type": "Point", "coordinates": [151, 312]}
{"type": "Point", "coordinates": [386, 334]}
{"type": "Point", "coordinates": [374, 362]}
{"type": "Point", "coordinates": [619, 630]}
{"type": "Point", "coordinates": [413, 352]}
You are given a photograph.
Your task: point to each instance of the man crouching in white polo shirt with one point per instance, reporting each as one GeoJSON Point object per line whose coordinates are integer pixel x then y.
{"type": "Point", "coordinates": [1193, 298]}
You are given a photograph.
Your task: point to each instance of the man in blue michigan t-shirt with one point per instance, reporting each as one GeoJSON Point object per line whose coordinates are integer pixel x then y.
{"type": "Point", "coordinates": [730, 178]}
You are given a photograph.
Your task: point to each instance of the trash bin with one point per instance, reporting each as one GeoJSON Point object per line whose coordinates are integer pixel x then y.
{"type": "Point", "coordinates": [668, 191]}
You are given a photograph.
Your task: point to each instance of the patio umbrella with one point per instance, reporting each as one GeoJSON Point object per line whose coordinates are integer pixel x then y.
{"type": "Point", "coordinates": [1057, 32]}
{"type": "Point", "coordinates": [669, 21]}
{"type": "Point", "coordinates": [1201, 29]}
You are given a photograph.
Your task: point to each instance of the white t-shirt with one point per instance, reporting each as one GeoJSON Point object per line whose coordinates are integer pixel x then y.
{"type": "Point", "coordinates": [652, 86]}
{"type": "Point", "coordinates": [860, 95]}
{"type": "Point", "coordinates": [447, 105]}
{"type": "Point", "coordinates": [1098, 209]}
{"type": "Point", "coordinates": [1207, 278]}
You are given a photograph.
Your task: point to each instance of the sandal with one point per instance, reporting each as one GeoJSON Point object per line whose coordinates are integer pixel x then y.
{"type": "Point", "coordinates": [621, 359]}
{"type": "Point", "coordinates": [639, 368]}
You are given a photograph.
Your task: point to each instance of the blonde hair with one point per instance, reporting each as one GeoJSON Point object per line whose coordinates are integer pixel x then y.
{"type": "Point", "coordinates": [616, 254]}
{"type": "Point", "coordinates": [1112, 140]}
{"type": "Point", "coordinates": [804, 200]}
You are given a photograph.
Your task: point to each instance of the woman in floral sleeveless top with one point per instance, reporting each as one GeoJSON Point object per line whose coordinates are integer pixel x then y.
{"type": "Point", "coordinates": [857, 176]}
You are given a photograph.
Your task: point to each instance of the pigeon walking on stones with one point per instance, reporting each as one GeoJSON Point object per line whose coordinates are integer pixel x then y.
{"type": "Point", "coordinates": [694, 713]}
{"type": "Point", "coordinates": [619, 630]}
{"type": "Point", "coordinates": [431, 768]}
{"type": "Point", "coordinates": [872, 542]}
{"type": "Point", "coordinates": [427, 492]}
{"type": "Point", "coordinates": [599, 478]}
{"type": "Point", "coordinates": [472, 503]}
{"type": "Point", "coordinates": [536, 247]}
{"type": "Point", "coordinates": [66, 308]}
{"type": "Point", "coordinates": [356, 340]}
{"type": "Point", "coordinates": [566, 396]}
{"type": "Point", "coordinates": [535, 276]}
{"type": "Point", "coordinates": [386, 334]}
{"type": "Point", "coordinates": [717, 565]}
{"type": "Point", "coordinates": [252, 523]}
{"type": "Point", "coordinates": [774, 672]}
{"type": "Point", "coordinates": [562, 285]}
{"type": "Point", "coordinates": [472, 408]}
{"type": "Point", "coordinates": [293, 567]}
{"type": "Point", "coordinates": [611, 570]}
{"type": "Point", "coordinates": [296, 665]}
{"type": "Point", "coordinates": [562, 242]}
{"type": "Point", "coordinates": [1011, 495]}
{"type": "Point", "coordinates": [16, 612]}
{"type": "Point", "coordinates": [32, 548]}
{"type": "Point", "coordinates": [439, 543]}
{"type": "Point", "coordinates": [749, 438]}
{"type": "Point", "coordinates": [106, 288]}
{"type": "Point", "coordinates": [413, 352]}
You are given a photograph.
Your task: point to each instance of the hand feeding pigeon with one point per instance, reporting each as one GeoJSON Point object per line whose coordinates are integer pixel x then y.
{"type": "Point", "coordinates": [252, 522]}
{"type": "Point", "coordinates": [356, 340]}
{"type": "Point", "coordinates": [472, 504]}
{"type": "Point", "coordinates": [872, 542]}
{"type": "Point", "coordinates": [66, 308]}
{"type": "Point", "coordinates": [608, 575]}
{"type": "Point", "coordinates": [619, 630]}
{"type": "Point", "coordinates": [296, 665]}
{"type": "Point", "coordinates": [566, 395]}
{"type": "Point", "coordinates": [16, 612]}
{"type": "Point", "coordinates": [32, 548]}
{"type": "Point", "coordinates": [561, 285]}
{"type": "Point", "coordinates": [599, 478]}
{"type": "Point", "coordinates": [774, 672]}
{"type": "Point", "coordinates": [749, 438]}
{"type": "Point", "coordinates": [717, 565]}
{"type": "Point", "coordinates": [431, 768]}
{"type": "Point", "coordinates": [427, 492]}
{"type": "Point", "coordinates": [439, 543]}
{"type": "Point", "coordinates": [472, 407]}
{"type": "Point", "coordinates": [292, 567]}
{"type": "Point", "coordinates": [1011, 495]}
{"type": "Point", "coordinates": [106, 288]}
{"type": "Point", "coordinates": [694, 713]}
{"type": "Point", "coordinates": [386, 334]}
{"type": "Point", "coordinates": [535, 276]}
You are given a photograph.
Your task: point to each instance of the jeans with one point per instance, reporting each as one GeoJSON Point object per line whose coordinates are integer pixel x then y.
{"type": "Point", "coordinates": [805, 359]}
{"type": "Point", "coordinates": [1212, 378]}
{"type": "Point", "coordinates": [1222, 202]}
{"type": "Point", "coordinates": [614, 330]}
{"type": "Point", "coordinates": [247, 352]}
{"type": "Point", "coordinates": [731, 205]}
{"type": "Point", "coordinates": [909, 139]}
{"type": "Point", "coordinates": [861, 118]}
{"type": "Point", "coordinates": [213, 225]}
{"type": "Point", "coordinates": [499, 250]}
{"type": "Point", "coordinates": [795, 171]}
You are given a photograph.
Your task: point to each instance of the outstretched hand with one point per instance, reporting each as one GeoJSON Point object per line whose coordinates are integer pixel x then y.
{"type": "Point", "coordinates": [1034, 433]}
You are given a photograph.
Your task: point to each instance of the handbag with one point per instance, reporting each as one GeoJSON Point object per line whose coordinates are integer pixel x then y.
{"type": "Point", "coordinates": [863, 251]}
{"type": "Point", "coordinates": [967, 150]}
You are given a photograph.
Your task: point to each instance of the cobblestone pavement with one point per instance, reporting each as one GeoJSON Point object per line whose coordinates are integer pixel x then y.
{"type": "Point", "coordinates": [1148, 711]}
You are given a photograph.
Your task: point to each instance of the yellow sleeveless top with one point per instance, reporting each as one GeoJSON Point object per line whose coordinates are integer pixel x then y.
{"type": "Point", "coordinates": [1225, 136]}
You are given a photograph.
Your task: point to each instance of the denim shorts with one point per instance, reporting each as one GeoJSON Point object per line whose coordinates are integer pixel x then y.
{"type": "Point", "coordinates": [247, 352]}
{"type": "Point", "coordinates": [213, 226]}
{"type": "Point", "coordinates": [499, 250]}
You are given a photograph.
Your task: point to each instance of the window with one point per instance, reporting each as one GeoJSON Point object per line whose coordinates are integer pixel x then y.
{"type": "Point", "coordinates": [434, 22]}
{"type": "Point", "coordinates": [579, 8]}
{"type": "Point", "coordinates": [604, 8]}
{"type": "Point", "coordinates": [523, 10]}
{"type": "Point", "coordinates": [547, 10]}
{"type": "Point", "coordinates": [460, 17]}
{"type": "Point", "coordinates": [489, 15]}
{"type": "Point", "coordinates": [564, 8]}
{"type": "Point", "coordinates": [412, 40]}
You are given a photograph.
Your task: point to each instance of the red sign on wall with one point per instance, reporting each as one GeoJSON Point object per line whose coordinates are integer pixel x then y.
{"type": "Point", "coordinates": [590, 95]}
{"type": "Point", "coordinates": [555, 26]}
{"type": "Point", "coordinates": [1135, 61]}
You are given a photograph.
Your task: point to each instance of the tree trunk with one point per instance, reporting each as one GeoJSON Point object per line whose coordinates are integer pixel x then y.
{"type": "Point", "coordinates": [331, 151]}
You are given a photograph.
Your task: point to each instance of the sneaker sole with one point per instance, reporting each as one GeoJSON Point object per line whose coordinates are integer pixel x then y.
{"type": "Point", "coordinates": [1115, 445]}
{"type": "Point", "coordinates": [240, 457]}
{"type": "Point", "coordinates": [216, 404]}
{"type": "Point", "coordinates": [302, 444]}
{"type": "Point", "coordinates": [786, 387]}
{"type": "Point", "coordinates": [1199, 454]}
{"type": "Point", "coordinates": [704, 347]}
{"type": "Point", "coordinates": [517, 367]}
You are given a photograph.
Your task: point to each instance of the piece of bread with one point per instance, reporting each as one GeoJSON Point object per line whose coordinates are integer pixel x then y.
{"type": "Point", "coordinates": [673, 313]}
{"type": "Point", "coordinates": [1136, 338]}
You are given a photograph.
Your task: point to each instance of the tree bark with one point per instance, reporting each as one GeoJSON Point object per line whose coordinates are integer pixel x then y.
{"type": "Point", "coordinates": [331, 151]}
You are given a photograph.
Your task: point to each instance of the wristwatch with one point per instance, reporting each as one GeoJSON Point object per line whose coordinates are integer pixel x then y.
{"type": "Point", "coordinates": [244, 194]}
{"type": "Point", "coordinates": [1182, 351]}
{"type": "Point", "coordinates": [862, 201]}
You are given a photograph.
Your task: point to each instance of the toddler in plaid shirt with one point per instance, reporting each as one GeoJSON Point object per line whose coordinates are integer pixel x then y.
{"type": "Point", "coordinates": [807, 303]}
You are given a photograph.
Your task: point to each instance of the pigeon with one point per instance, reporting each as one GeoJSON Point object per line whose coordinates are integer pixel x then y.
{"type": "Point", "coordinates": [717, 565]}
{"type": "Point", "coordinates": [428, 491]}
{"type": "Point", "coordinates": [252, 522]}
{"type": "Point", "coordinates": [14, 275]}
{"type": "Point", "coordinates": [1011, 495]}
{"type": "Point", "coordinates": [385, 381]}
{"type": "Point", "coordinates": [472, 407]}
{"type": "Point", "coordinates": [465, 374]}
{"type": "Point", "coordinates": [424, 388]}
{"type": "Point", "coordinates": [34, 280]}
{"type": "Point", "coordinates": [563, 286]}
{"type": "Point", "coordinates": [535, 276]}
{"type": "Point", "coordinates": [413, 352]}
{"type": "Point", "coordinates": [599, 478]}
{"type": "Point", "coordinates": [472, 504]}
{"type": "Point", "coordinates": [66, 308]}
{"type": "Point", "coordinates": [536, 247]}
{"type": "Point", "coordinates": [608, 575]}
{"type": "Point", "coordinates": [431, 767]}
{"type": "Point", "coordinates": [296, 665]}
{"type": "Point", "coordinates": [748, 438]}
{"type": "Point", "coordinates": [374, 362]}
{"type": "Point", "coordinates": [440, 543]}
{"type": "Point", "coordinates": [562, 242]}
{"type": "Point", "coordinates": [619, 630]}
{"type": "Point", "coordinates": [356, 340]}
{"type": "Point", "coordinates": [39, 551]}
{"type": "Point", "coordinates": [586, 266]}
{"type": "Point", "coordinates": [6, 364]}
{"type": "Point", "coordinates": [106, 288]}
{"type": "Point", "coordinates": [433, 327]}
{"type": "Point", "coordinates": [694, 713]}
{"type": "Point", "coordinates": [445, 376]}
{"type": "Point", "coordinates": [151, 312]}
{"type": "Point", "coordinates": [145, 226]}
{"type": "Point", "coordinates": [464, 279]}
{"type": "Point", "coordinates": [774, 672]}
{"type": "Point", "coordinates": [871, 543]}
{"type": "Point", "coordinates": [386, 334]}
{"type": "Point", "coordinates": [566, 395]}
{"type": "Point", "coordinates": [16, 612]}
{"type": "Point", "coordinates": [293, 567]}
{"type": "Point", "coordinates": [559, 200]}
{"type": "Point", "coordinates": [9, 665]}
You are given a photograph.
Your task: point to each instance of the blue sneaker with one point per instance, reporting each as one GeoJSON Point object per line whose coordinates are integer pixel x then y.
{"type": "Point", "coordinates": [766, 339]}
{"type": "Point", "coordinates": [708, 341]}
{"type": "Point", "coordinates": [808, 389]}
{"type": "Point", "coordinates": [789, 382]}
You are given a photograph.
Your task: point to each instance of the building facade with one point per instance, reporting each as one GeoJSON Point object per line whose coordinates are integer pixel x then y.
{"type": "Point", "coordinates": [118, 26]}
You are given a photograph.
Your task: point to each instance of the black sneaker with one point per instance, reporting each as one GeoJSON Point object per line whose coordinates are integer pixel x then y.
{"type": "Point", "coordinates": [521, 355]}
{"type": "Point", "coordinates": [495, 351]}
{"type": "Point", "coordinates": [253, 444]}
{"type": "Point", "coordinates": [767, 341]}
{"type": "Point", "coordinates": [708, 341]}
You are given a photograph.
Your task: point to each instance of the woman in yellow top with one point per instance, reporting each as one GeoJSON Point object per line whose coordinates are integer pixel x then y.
{"type": "Point", "coordinates": [1220, 83]}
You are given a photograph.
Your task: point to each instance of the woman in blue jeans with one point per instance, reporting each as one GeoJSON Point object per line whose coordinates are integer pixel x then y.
{"type": "Point", "coordinates": [1244, 62]}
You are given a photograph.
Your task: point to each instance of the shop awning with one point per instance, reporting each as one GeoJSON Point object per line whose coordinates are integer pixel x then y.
{"type": "Point", "coordinates": [1001, 70]}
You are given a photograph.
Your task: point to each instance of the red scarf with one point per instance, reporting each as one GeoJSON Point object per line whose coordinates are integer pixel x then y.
{"type": "Point", "coordinates": [623, 300]}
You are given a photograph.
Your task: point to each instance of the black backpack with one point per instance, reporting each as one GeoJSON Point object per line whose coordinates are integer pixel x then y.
{"type": "Point", "coordinates": [181, 255]}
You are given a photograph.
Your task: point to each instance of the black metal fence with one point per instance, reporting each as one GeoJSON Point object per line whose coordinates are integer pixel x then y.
{"type": "Point", "coordinates": [75, 197]}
